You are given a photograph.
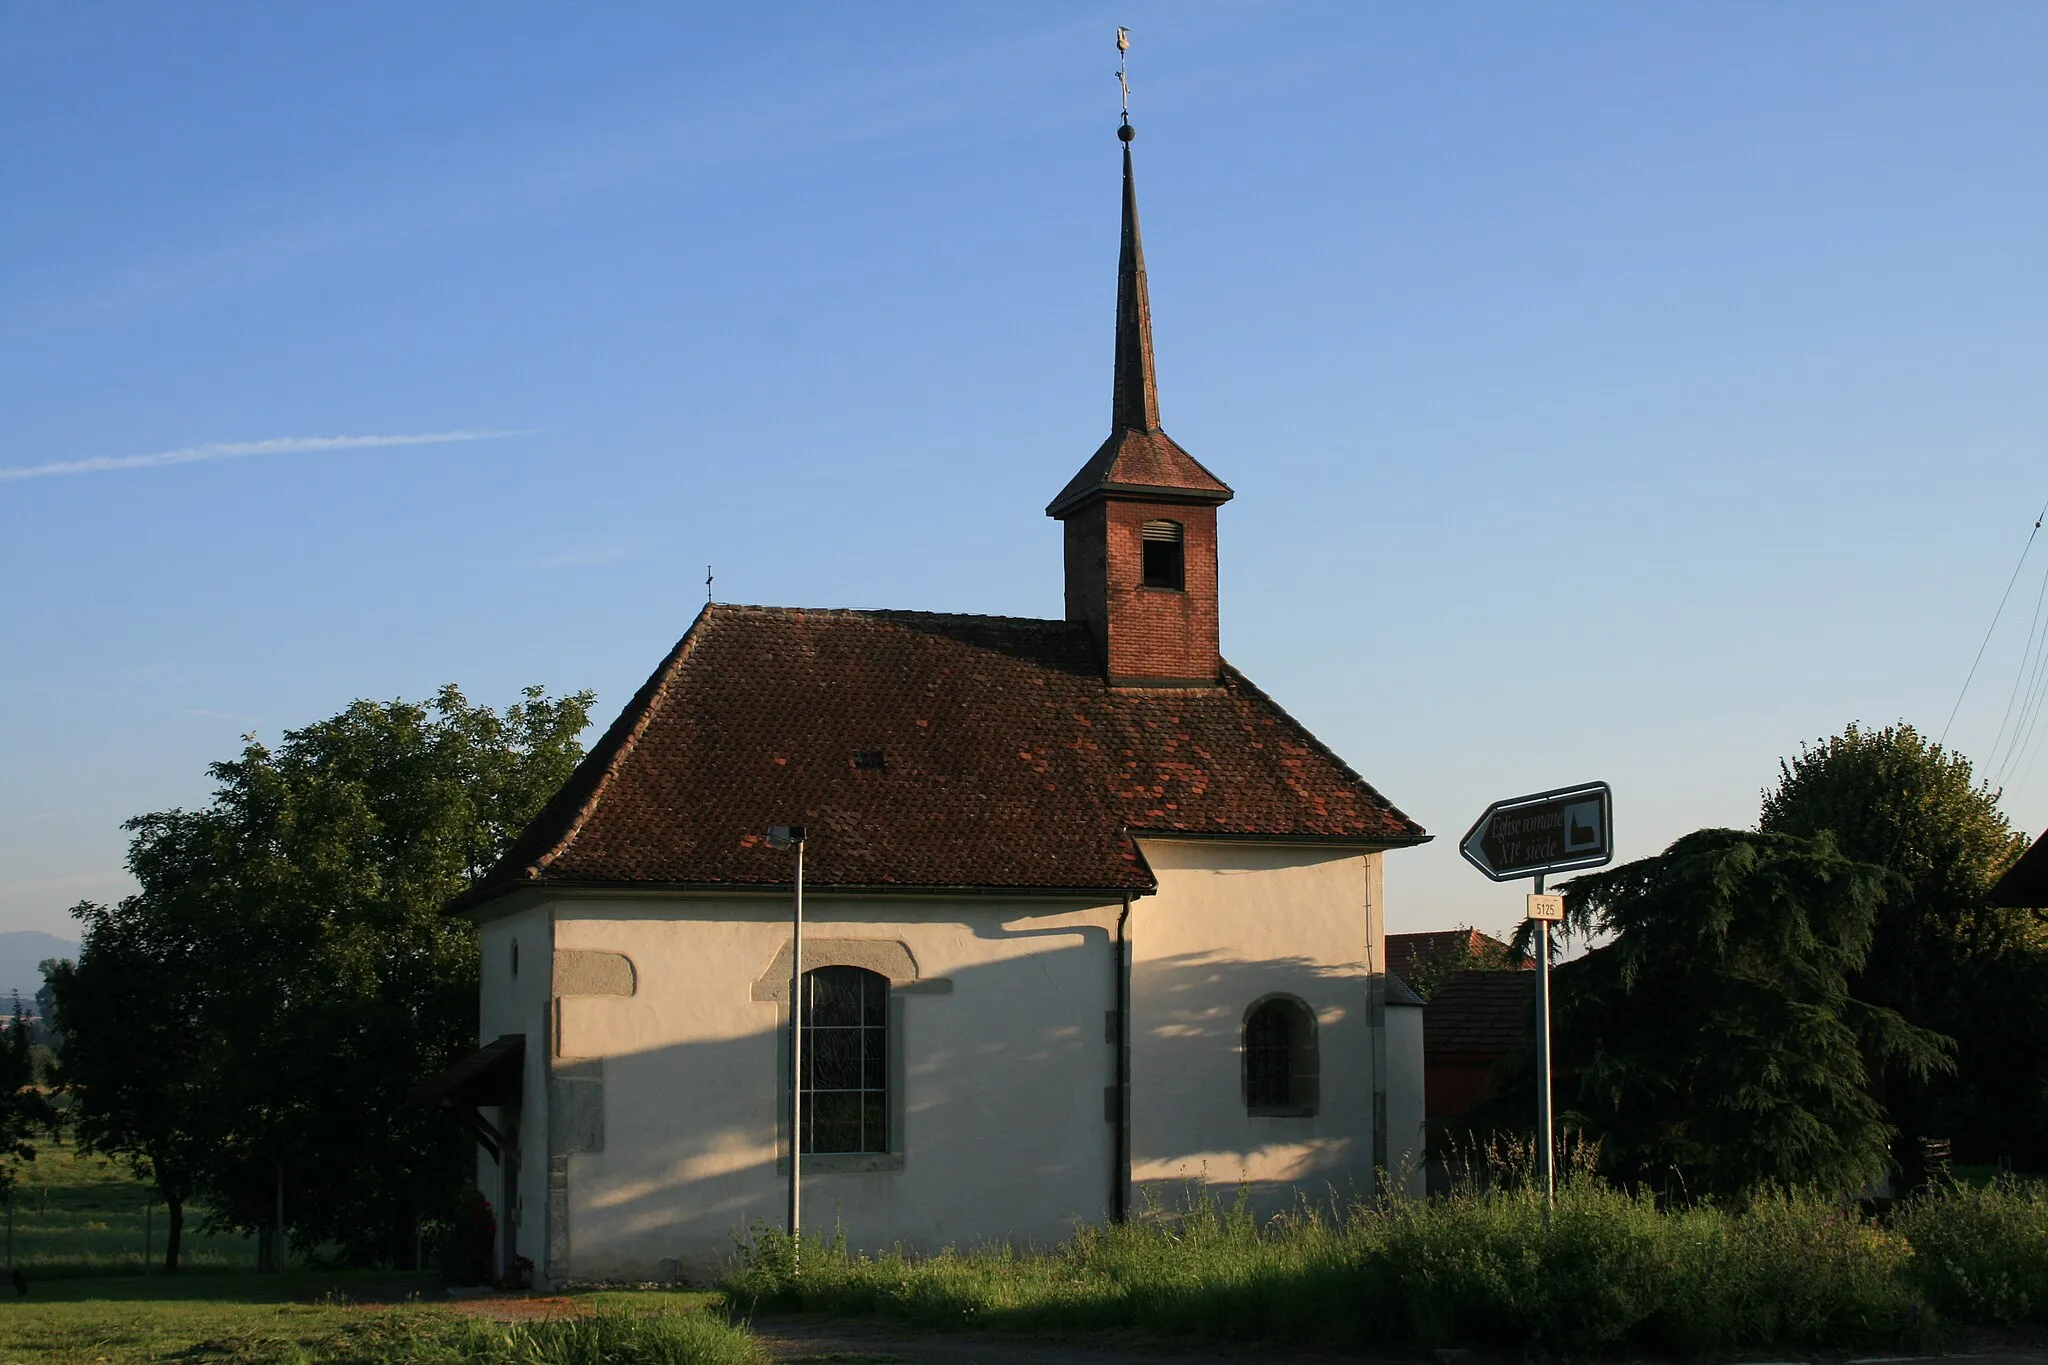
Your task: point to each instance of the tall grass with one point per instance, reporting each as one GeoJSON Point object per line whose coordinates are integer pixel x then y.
{"type": "Point", "coordinates": [603, 1338]}
{"type": "Point", "coordinates": [1602, 1272]}
{"type": "Point", "coordinates": [1981, 1251]}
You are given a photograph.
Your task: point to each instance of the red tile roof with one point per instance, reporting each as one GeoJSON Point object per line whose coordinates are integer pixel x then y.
{"type": "Point", "coordinates": [1478, 1014]}
{"type": "Point", "coordinates": [2025, 883]}
{"type": "Point", "coordinates": [1006, 763]}
{"type": "Point", "coordinates": [1140, 463]}
{"type": "Point", "coordinates": [1406, 951]}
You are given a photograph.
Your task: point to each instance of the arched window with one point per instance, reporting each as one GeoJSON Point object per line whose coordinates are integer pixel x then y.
{"type": "Point", "coordinates": [1165, 563]}
{"type": "Point", "coordinates": [1280, 1070]}
{"type": "Point", "coordinates": [845, 1060]}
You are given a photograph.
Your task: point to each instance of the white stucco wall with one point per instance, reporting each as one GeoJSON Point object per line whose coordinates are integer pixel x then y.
{"type": "Point", "coordinates": [519, 1004]}
{"type": "Point", "coordinates": [1004, 1059]}
{"type": "Point", "coordinates": [1233, 923]}
{"type": "Point", "coordinates": [658, 1064]}
{"type": "Point", "coordinates": [1405, 1145]}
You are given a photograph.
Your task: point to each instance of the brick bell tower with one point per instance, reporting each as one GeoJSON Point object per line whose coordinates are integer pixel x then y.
{"type": "Point", "coordinates": [1140, 517]}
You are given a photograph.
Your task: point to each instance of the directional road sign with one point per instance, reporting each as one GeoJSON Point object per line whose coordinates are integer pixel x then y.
{"type": "Point", "coordinates": [1553, 831]}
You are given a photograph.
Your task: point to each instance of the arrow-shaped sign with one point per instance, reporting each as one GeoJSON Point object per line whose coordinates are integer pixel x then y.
{"type": "Point", "coordinates": [1553, 831]}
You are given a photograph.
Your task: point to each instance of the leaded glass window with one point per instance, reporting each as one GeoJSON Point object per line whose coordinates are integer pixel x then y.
{"type": "Point", "coordinates": [1280, 1068]}
{"type": "Point", "coordinates": [845, 1060]}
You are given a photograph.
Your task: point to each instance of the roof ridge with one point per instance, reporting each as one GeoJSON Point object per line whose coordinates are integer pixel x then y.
{"type": "Point", "coordinates": [892, 613]}
{"type": "Point", "coordinates": [640, 711]}
{"type": "Point", "coordinates": [1230, 671]}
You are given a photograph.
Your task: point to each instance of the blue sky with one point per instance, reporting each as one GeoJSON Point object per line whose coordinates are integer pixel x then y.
{"type": "Point", "coordinates": [1610, 391]}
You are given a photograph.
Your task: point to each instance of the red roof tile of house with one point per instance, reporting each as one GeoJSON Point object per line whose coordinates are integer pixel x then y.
{"type": "Point", "coordinates": [925, 751]}
{"type": "Point", "coordinates": [2025, 883]}
{"type": "Point", "coordinates": [1406, 951]}
{"type": "Point", "coordinates": [1478, 1014]}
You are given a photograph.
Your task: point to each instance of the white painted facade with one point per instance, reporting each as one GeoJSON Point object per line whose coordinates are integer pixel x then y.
{"type": "Point", "coordinates": [653, 1126]}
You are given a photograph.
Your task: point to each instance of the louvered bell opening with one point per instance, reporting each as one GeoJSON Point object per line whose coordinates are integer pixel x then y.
{"type": "Point", "coordinates": [1165, 558]}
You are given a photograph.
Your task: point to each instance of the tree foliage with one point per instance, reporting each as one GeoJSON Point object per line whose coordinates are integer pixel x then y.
{"type": "Point", "coordinates": [24, 1108]}
{"type": "Point", "coordinates": [131, 1059]}
{"type": "Point", "coordinates": [1940, 955]}
{"type": "Point", "coordinates": [1466, 950]}
{"type": "Point", "coordinates": [1713, 1045]}
{"type": "Point", "coordinates": [308, 977]}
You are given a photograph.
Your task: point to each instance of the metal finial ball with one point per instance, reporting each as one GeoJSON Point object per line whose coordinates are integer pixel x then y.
{"type": "Point", "coordinates": [1126, 133]}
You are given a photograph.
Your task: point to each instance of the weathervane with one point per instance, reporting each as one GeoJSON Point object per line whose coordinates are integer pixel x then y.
{"type": "Point", "coordinates": [707, 582]}
{"type": "Point", "coordinates": [1123, 47]}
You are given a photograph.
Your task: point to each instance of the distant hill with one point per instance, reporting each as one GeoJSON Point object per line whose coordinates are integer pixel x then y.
{"type": "Point", "coordinates": [20, 951]}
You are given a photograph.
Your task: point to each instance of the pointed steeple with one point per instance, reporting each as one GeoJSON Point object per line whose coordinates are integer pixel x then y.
{"type": "Point", "coordinates": [1138, 457]}
{"type": "Point", "coordinates": [1136, 407]}
{"type": "Point", "coordinates": [1140, 518]}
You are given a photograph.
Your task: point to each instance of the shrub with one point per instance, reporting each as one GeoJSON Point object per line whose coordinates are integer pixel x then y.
{"type": "Point", "coordinates": [1602, 1272]}
{"type": "Point", "coordinates": [1981, 1252]}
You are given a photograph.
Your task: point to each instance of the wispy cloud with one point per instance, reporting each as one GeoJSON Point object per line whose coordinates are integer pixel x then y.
{"type": "Point", "coordinates": [237, 450]}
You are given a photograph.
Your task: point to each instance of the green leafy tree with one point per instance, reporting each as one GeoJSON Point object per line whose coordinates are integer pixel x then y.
{"type": "Point", "coordinates": [1712, 1045]}
{"type": "Point", "coordinates": [131, 1062]}
{"type": "Point", "coordinates": [1435, 964]}
{"type": "Point", "coordinates": [1940, 954]}
{"type": "Point", "coordinates": [302, 913]}
{"type": "Point", "coordinates": [23, 1107]}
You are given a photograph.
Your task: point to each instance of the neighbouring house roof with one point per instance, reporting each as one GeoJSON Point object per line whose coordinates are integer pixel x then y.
{"type": "Point", "coordinates": [2025, 883]}
{"type": "Point", "coordinates": [1406, 951]}
{"type": "Point", "coordinates": [1478, 1014]}
{"type": "Point", "coordinates": [1004, 762]}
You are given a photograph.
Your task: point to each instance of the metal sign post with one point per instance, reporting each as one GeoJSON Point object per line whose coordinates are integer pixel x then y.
{"type": "Point", "coordinates": [1544, 910]}
{"type": "Point", "coordinates": [1560, 830]}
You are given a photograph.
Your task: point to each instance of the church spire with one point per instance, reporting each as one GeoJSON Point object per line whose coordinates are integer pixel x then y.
{"type": "Point", "coordinates": [1139, 520]}
{"type": "Point", "coordinates": [1136, 405]}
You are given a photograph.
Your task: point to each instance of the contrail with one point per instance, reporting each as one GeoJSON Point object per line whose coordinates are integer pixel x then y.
{"type": "Point", "coordinates": [235, 450]}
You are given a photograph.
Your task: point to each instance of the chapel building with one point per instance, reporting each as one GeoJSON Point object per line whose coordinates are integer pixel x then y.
{"type": "Point", "coordinates": [1086, 912]}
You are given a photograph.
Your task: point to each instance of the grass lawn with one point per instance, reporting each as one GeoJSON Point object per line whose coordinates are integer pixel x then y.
{"type": "Point", "coordinates": [78, 1237]}
{"type": "Point", "coordinates": [77, 1214]}
{"type": "Point", "coordinates": [302, 1317]}
{"type": "Point", "coordinates": [204, 1317]}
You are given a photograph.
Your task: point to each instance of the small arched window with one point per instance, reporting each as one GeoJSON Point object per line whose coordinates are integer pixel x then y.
{"type": "Point", "coordinates": [515, 957]}
{"type": "Point", "coordinates": [1165, 555]}
{"type": "Point", "coordinates": [1280, 1069]}
{"type": "Point", "coordinates": [845, 1060]}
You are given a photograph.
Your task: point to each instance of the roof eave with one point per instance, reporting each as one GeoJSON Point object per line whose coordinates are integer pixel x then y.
{"type": "Point", "coordinates": [1370, 841]}
{"type": "Point", "coordinates": [472, 901]}
{"type": "Point", "coordinates": [1066, 504]}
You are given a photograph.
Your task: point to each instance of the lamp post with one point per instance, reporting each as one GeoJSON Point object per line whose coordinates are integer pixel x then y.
{"type": "Point", "coordinates": [786, 837]}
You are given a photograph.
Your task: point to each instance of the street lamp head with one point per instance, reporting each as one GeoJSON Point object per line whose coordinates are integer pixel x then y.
{"type": "Point", "coordinates": [785, 836]}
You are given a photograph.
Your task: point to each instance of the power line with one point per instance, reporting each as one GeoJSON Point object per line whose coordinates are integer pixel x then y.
{"type": "Point", "coordinates": [2024, 552]}
{"type": "Point", "coordinates": [2022, 686]}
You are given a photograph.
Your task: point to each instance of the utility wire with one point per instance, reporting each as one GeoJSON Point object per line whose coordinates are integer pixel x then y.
{"type": "Point", "coordinates": [2022, 686]}
{"type": "Point", "coordinates": [2039, 517]}
{"type": "Point", "coordinates": [2029, 718]}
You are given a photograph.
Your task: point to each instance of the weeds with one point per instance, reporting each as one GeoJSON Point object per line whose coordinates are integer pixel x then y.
{"type": "Point", "coordinates": [603, 1338]}
{"type": "Point", "coordinates": [1981, 1251]}
{"type": "Point", "coordinates": [1603, 1272]}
